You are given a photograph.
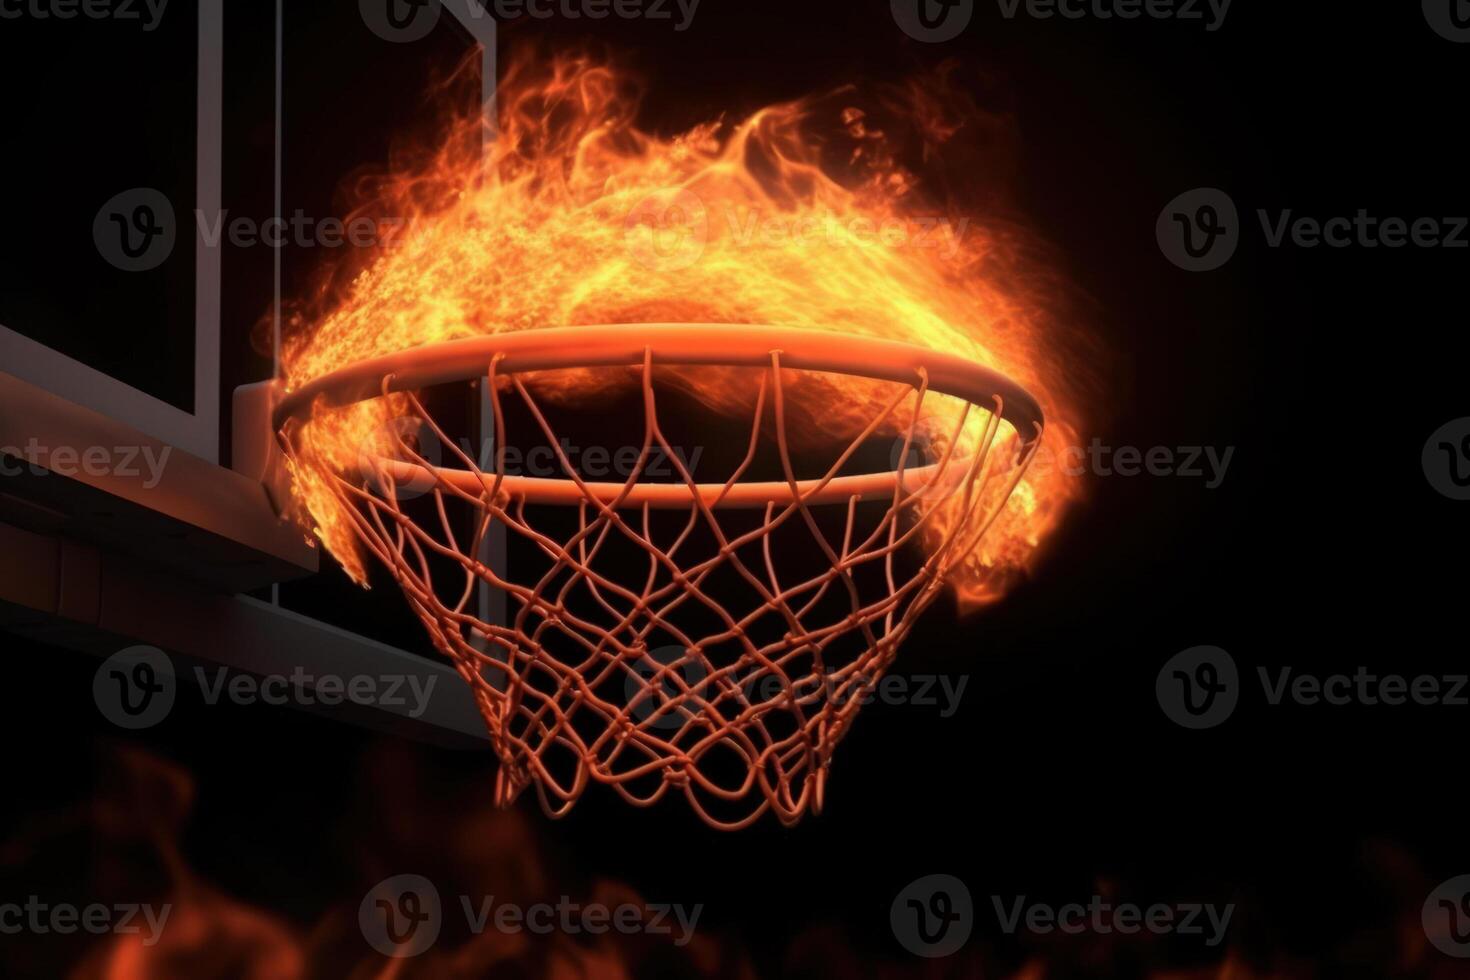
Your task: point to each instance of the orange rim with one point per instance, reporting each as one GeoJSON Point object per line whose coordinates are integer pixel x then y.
{"type": "Point", "coordinates": [681, 344]}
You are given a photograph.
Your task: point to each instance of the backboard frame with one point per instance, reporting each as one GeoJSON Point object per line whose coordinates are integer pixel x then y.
{"type": "Point", "coordinates": [97, 562]}
{"type": "Point", "coordinates": [196, 432]}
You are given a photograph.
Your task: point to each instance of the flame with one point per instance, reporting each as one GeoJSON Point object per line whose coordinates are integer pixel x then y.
{"type": "Point", "coordinates": [797, 215]}
{"type": "Point", "coordinates": [125, 832]}
{"type": "Point", "coordinates": [208, 934]}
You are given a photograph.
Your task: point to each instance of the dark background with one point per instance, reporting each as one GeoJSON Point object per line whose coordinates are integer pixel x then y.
{"type": "Point", "coordinates": [1324, 549]}
{"type": "Point", "coordinates": [94, 109]}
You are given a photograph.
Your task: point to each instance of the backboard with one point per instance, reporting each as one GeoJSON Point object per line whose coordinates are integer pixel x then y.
{"type": "Point", "coordinates": [194, 189]}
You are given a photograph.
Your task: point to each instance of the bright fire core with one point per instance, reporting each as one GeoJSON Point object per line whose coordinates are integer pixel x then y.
{"type": "Point", "coordinates": [575, 216]}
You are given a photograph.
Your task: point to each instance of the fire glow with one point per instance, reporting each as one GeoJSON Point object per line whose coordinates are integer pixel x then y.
{"type": "Point", "coordinates": [575, 216]}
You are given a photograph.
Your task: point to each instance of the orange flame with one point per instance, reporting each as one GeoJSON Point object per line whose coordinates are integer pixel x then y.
{"type": "Point", "coordinates": [575, 216]}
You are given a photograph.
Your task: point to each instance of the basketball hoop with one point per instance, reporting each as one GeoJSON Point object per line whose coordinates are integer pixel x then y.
{"type": "Point", "coordinates": [650, 675]}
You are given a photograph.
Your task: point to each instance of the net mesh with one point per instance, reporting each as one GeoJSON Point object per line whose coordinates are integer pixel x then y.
{"type": "Point", "coordinates": [715, 652]}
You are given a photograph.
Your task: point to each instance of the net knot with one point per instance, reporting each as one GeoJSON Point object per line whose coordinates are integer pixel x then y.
{"type": "Point", "coordinates": [677, 772]}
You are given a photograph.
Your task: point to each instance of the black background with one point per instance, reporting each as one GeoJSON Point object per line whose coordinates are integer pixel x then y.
{"type": "Point", "coordinates": [1325, 548]}
{"type": "Point", "coordinates": [96, 108]}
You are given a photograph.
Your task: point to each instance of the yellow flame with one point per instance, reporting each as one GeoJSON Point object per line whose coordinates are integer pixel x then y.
{"type": "Point", "coordinates": [575, 216]}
